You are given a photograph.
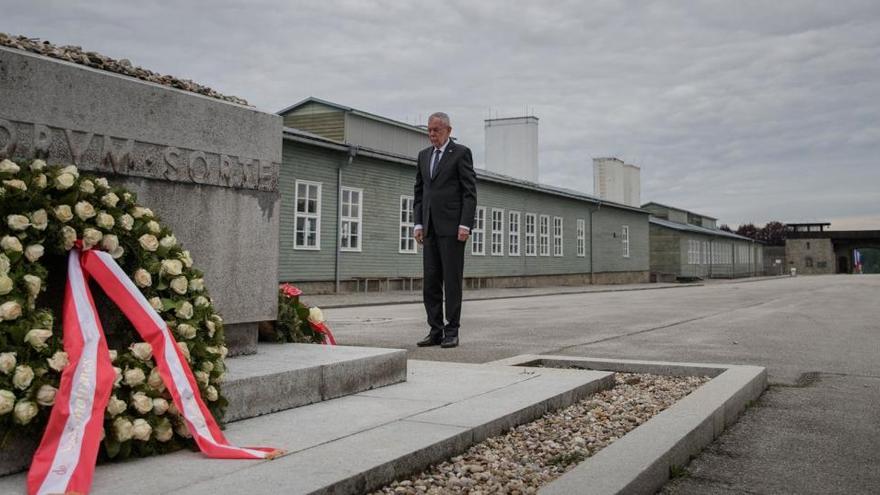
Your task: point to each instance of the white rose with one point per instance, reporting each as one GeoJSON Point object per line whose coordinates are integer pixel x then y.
{"type": "Point", "coordinates": [4, 264]}
{"type": "Point", "coordinates": [156, 303]}
{"type": "Point", "coordinates": [118, 378]}
{"type": "Point", "coordinates": [46, 395]}
{"type": "Point", "coordinates": [160, 406]}
{"type": "Point", "coordinates": [40, 181]}
{"type": "Point", "coordinates": [171, 267]}
{"type": "Point", "coordinates": [142, 278]}
{"type": "Point", "coordinates": [40, 219]}
{"type": "Point", "coordinates": [63, 213]}
{"type": "Point", "coordinates": [142, 350]}
{"type": "Point", "coordinates": [116, 406]}
{"type": "Point", "coordinates": [149, 242]}
{"type": "Point", "coordinates": [91, 237]}
{"type": "Point", "coordinates": [64, 181]}
{"type": "Point", "coordinates": [7, 362]}
{"type": "Point", "coordinates": [105, 221]}
{"type": "Point", "coordinates": [117, 252]}
{"type": "Point", "coordinates": [184, 349]}
{"type": "Point", "coordinates": [113, 355]}
{"type": "Point", "coordinates": [182, 429]}
{"type": "Point", "coordinates": [164, 431]}
{"type": "Point", "coordinates": [122, 429]}
{"type": "Point", "coordinates": [155, 380]}
{"type": "Point", "coordinates": [18, 222]}
{"type": "Point", "coordinates": [15, 184]}
{"type": "Point", "coordinates": [87, 186]}
{"type": "Point", "coordinates": [153, 226]}
{"type": "Point", "coordinates": [185, 311]}
{"type": "Point", "coordinates": [186, 331]}
{"type": "Point", "coordinates": [6, 284]}
{"type": "Point", "coordinates": [134, 377]}
{"type": "Point", "coordinates": [168, 242]}
{"type": "Point", "coordinates": [172, 409]}
{"type": "Point", "coordinates": [33, 284]}
{"type": "Point", "coordinates": [223, 351]}
{"type": "Point", "coordinates": [211, 393]}
{"type": "Point", "coordinates": [37, 338]}
{"type": "Point", "coordinates": [141, 402]}
{"type": "Point", "coordinates": [141, 430]}
{"type": "Point", "coordinates": [201, 377]}
{"type": "Point", "coordinates": [126, 221]}
{"type": "Point", "coordinates": [34, 252]}
{"type": "Point", "coordinates": [138, 211]}
{"type": "Point", "coordinates": [10, 310]}
{"type": "Point", "coordinates": [25, 411]}
{"type": "Point", "coordinates": [23, 376]}
{"type": "Point", "coordinates": [186, 258]}
{"type": "Point", "coordinates": [84, 210]}
{"type": "Point", "coordinates": [207, 366]}
{"type": "Point", "coordinates": [7, 401]}
{"type": "Point", "coordinates": [10, 243]}
{"type": "Point", "coordinates": [38, 165]}
{"type": "Point", "coordinates": [9, 167]}
{"type": "Point", "coordinates": [211, 328]}
{"type": "Point", "coordinates": [58, 361]}
{"type": "Point", "coordinates": [70, 169]}
{"type": "Point", "coordinates": [110, 243]}
{"type": "Point", "coordinates": [68, 234]}
{"type": "Point", "coordinates": [197, 284]}
{"type": "Point", "coordinates": [102, 182]}
{"type": "Point", "coordinates": [316, 315]}
{"type": "Point", "coordinates": [202, 302]}
{"type": "Point", "coordinates": [179, 285]}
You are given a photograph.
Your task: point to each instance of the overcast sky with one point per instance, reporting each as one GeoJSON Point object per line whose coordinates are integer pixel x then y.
{"type": "Point", "coordinates": [743, 110]}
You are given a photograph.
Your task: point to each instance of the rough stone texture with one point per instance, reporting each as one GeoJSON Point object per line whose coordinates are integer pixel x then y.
{"type": "Point", "coordinates": [241, 338]}
{"type": "Point", "coordinates": [168, 146]}
{"type": "Point", "coordinates": [607, 278]}
{"type": "Point", "coordinates": [810, 256]}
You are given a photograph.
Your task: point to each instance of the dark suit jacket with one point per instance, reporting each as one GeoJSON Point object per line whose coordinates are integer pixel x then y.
{"type": "Point", "coordinates": [450, 198]}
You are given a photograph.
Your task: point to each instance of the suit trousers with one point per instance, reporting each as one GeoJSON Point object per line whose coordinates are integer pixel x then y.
{"type": "Point", "coordinates": [443, 260]}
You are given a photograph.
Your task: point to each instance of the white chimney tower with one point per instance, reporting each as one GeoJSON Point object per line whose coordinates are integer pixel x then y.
{"type": "Point", "coordinates": [512, 147]}
{"type": "Point", "coordinates": [616, 181]}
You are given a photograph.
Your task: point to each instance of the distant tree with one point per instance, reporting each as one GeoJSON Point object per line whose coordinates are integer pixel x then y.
{"type": "Point", "coordinates": [748, 230]}
{"type": "Point", "coordinates": [773, 234]}
{"type": "Point", "coordinates": [725, 228]}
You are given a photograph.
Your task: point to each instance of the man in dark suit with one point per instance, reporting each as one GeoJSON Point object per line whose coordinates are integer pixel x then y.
{"type": "Point", "coordinates": [445, 199]}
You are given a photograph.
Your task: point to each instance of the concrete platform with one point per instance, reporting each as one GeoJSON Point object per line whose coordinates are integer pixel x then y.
{"type": "Point", "coordinates": [641, 461]}
{"type": "Point", "coordinates": [362, 441]}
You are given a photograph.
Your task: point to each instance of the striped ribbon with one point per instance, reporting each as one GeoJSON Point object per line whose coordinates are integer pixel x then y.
{"type": "Point", "coordinates": [324, 330]}
{"type": "Point", "coordinates": [65, 459]}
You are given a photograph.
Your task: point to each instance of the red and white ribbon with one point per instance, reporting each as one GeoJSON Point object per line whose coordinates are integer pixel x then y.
{"type": "Point", "coordinates": [324, 330]}
{"type": "Point", "coordinates": [65, 460]}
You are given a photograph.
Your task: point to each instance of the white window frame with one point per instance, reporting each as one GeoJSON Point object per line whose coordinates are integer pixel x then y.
{"type": "Point", "coordinates": [558, 236]}
{"type": "Point", "coordinates": [407, 231]}
{"type": "Point", "coordinates": [497, 236]}
{"type": "Point", "coordinates": [624, 240]}
{"type": "Point", "coordinates": [513, 233]}
{"type": "Point", "coordinates": [359, 219]}
{"type": "Point", "coordinates": [478, 233]}
{"type": "Point", "coordinates": [308, 216]}
{"type": "Point", "coordinates": [581, 237]}
{"type": "Point", "coordinates": [544, 235]}
{"type": "Point", "coordinates": [531, 237]}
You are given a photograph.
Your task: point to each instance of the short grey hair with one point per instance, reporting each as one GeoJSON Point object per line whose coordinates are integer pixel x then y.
{"type": "Point", "coordinates": [441, 116]}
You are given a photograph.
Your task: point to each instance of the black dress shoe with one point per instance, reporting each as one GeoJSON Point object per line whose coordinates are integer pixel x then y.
{"type": "Point", "coordinates": [429, 341]}
{"type": "Point", "coordinates": [449, 342]}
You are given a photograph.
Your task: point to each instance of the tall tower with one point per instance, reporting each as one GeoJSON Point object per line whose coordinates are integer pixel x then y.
{"type": "Point", "coordinates": [616, 181]}
{"type": "Point", "coordinates": [512, 147]}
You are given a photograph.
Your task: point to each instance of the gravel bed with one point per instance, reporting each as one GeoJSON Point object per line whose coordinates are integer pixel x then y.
{"type": "Point", "coordinates": [77, 55]}
{"type": "Point", "coordinates": [531, 455]}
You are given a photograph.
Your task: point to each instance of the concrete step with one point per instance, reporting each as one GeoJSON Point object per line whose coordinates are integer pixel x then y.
{"type": "Point", "coordinates": [278, 377]}
{"type": "Point", "coordinates": [363, 441]}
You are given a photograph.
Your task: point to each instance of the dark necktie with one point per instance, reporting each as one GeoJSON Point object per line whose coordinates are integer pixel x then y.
{"type": "Point", "coordinates": [434, 162]}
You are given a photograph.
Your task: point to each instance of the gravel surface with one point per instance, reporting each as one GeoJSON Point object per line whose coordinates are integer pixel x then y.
{"type": "Point", "coordinates": [76, 55]}
{"type": "Point", "coordinates": [531, 455]}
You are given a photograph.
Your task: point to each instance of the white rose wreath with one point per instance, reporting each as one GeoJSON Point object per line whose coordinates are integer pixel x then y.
{"type": "Point", "coordinates": [43, 211]}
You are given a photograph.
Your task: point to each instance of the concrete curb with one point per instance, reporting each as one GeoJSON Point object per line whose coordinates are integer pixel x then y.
{"type": "Point", "coordinates": [641, 461]}
{"type": "Point", "coordinates": [418, 300]}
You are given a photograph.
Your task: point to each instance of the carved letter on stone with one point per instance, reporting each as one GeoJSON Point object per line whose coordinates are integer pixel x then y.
{"type": "Point", "coordinates": [230, 171]}
{"type": "Point", "coordinates": [77, 146]}
{"type": "Point", "coordinates": [117, 159]}
{"type": "Point", "coordinates": [42, 141]}
{"type": "Point", "coordinates": [172, 163]}
{"type": "Point", "coordinates": [198, 167]}
{"type": "Point", "coordinates": [8, 137]}
{"type": "Point", "coordinates": [249, 171]}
